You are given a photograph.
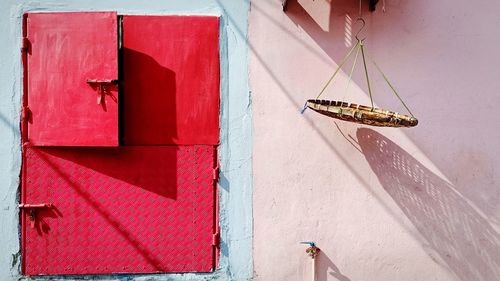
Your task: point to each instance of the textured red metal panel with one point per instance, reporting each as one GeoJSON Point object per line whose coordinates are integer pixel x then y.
{"type": "Point", "coordinates": [171, 80]}
{"type": "Point", "coordinates": [123, 209]}
{"type": "Point", "coordinates": [64, 50]}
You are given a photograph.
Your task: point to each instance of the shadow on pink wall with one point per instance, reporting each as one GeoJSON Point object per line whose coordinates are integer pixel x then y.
{"type": "Point", "coordinates": [450, 226]}
{"type": "Point", "coordinates": [326, 269]}
{"type": "Point", "coordinates": [474, 147]}
{"type": "Point", "coordinates": [451, 230]}
{"type": "Point", "coordinates": [340, 37]}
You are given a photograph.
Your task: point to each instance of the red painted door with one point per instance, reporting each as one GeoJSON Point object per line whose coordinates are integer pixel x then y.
{"type": "Point", "coordinates": [171, 80]}
{"type": "Point", "coordinates": [134, 209]}
{"type": "Point", "coordinates": [66, 50]}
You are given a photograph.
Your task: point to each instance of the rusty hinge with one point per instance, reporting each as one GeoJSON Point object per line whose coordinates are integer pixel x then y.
{"type": "Point", "coordinates": [216, 239]}
{"type": "Point", "coordinates": [215, 175]}
{"type": "Point", "coordinates": [25, 45]}
{"type": "Point", "coordinates": [25, 113]}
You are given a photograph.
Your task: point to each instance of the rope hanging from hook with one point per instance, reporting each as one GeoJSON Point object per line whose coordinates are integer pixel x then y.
{"type": "Point", "coordinates": [366, 73]}
{"type": "Point", "coordinates": [392, 87]}
{"type": "Point", "coordinates": [359, 44]}
{"type": "Point", "coordinates": [344, 60]}
{"type": "Point", "coordinates": [358, 113]}
{"type": "Point", "coordinates": [351, 72]}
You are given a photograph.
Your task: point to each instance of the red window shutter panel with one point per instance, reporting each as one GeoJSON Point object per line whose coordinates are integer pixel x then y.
{"type": "Point", "coordinates": [148, 206]}
{"type": "Point", "coordinates": [65, 51]}
{"type": "Point", "coordinates": [134, 209]}
{"type": "Point", "coordinates": [171, 80]}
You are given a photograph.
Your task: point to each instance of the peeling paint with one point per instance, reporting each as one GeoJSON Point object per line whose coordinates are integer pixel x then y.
{"type": "Point", "coordinates": [15, 260]}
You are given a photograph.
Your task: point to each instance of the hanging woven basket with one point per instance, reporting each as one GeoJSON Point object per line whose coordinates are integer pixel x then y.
{"type": "Point", "coordinates": [351, 112]}
{"type": "Point", "coordinates": [361, 114]}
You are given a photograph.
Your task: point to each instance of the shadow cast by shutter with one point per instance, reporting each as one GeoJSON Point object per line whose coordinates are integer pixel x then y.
{"type": "Point", "coordinates": [149, 101]}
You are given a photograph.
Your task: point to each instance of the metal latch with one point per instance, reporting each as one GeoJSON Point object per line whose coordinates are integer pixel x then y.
{"type": "Point", "coordinates": [102, 86]}
{"type": "Point", "coordinates": [215, 173]}
{"type": "Point", "coordinates": [105, 81]}
{"type": "Point", "coordinates": [25, 113]}
{"type": "Point", "coordinates": [216, 239]}
{"type": "Point", "coordinates": [25, 45]}
{"type": "Point", "coordinates": [32, 210]}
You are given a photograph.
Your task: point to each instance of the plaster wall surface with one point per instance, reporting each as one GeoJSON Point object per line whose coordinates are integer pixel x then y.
{"type": "Point", "coordinates": [381, 203]}
{"type": "Point", "coordinates": [234, 150]}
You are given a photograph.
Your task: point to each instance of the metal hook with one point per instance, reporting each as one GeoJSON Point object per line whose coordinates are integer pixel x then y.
{"type": "Point", "coordinates": [360, 29]}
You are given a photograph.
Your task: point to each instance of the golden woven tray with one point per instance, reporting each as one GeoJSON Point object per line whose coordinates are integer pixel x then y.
{"type": "Point", "coordinates": [361, 114]}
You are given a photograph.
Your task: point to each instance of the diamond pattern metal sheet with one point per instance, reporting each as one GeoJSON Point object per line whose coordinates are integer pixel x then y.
{"type": "Point", "coordinates": [119, 210]}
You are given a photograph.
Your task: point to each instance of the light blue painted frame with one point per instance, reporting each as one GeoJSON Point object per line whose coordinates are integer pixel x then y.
{"type": "Point", "coordinates": [235, 150]}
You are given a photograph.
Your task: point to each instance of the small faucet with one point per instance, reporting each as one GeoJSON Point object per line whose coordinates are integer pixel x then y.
{"type": "Point", "coordinates": [312, 250]}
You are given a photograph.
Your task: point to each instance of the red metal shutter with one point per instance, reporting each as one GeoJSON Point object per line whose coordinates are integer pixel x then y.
{"type": "Point", "coordinates": [64, 51]}
{"type": "Point", "coordinates": [118, 210]}
{"type": "Point", "coordinates": [139, 208]}
{"type": "Point", "coordinates": [171, 80]}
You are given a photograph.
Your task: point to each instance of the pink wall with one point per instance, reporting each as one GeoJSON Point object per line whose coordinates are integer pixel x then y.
{"type": "Point", "coordinates": [382, 204]}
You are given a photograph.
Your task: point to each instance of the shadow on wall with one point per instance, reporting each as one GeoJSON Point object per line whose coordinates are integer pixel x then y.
{"type": "Point", "coordinates": [402, 25]}
{"type": "Point", "coordinates": [84, 179]}
{"type": "Point", "coordinates": [326, 268]}
{"type": "Point", "coordinates": [333, 27]}
{"type": "Point", "coordinates": [337, 34]}
{"type": "Point", "coordinates": [340, 26]}
{"type": "Point", "coordinates": [87, 195]}
{"type": "Point", "coordinates": [150, 168]}
{"type": "Point", "coordinates": [149, 100]}
{"type": "Point", "coordinates": [462, 237]}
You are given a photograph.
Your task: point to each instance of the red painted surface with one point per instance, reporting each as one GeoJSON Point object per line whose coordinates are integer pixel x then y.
{"type": "Point", "coordinates": [123, 209]}
{"type": "Point", "coordinates": [65, 50]}
{"type": "Point", "coordinates": [171, 80]}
